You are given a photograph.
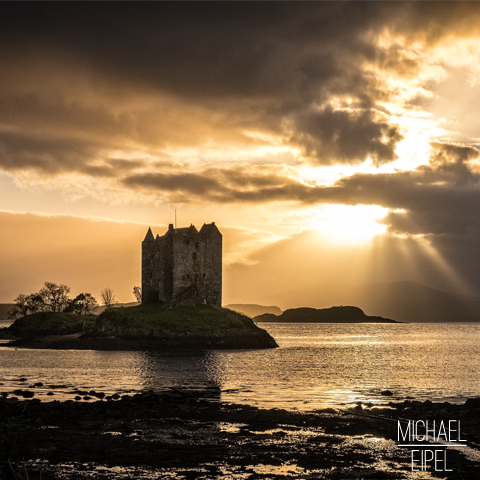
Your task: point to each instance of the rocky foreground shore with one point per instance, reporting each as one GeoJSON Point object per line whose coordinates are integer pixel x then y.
{"type": "Point", "coordinates": [194, 435]}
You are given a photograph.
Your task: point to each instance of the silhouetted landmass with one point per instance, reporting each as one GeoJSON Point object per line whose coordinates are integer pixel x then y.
{"type": "Point", "coordinates": [402, 301]}
{"type": "Point", "coordinates": [101, 308]}
{"type": "Point", "coordinates": [252, 310]}
{"type": "Point", "coordinates": [4, 308]}
{"type": "Point", "coordinates": [48, 323]}
{"type": "Point", "coordinates": [142, 327]}
{"type": "Point", "coordinates": [325, 315]}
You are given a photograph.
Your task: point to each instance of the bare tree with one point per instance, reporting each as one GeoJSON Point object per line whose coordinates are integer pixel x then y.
{"type": "Point", "coordinates": [137, 291]}
{"type": "Point", "coordinates": [108, 297]}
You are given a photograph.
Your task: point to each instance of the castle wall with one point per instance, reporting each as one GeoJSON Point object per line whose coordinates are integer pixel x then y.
{"type": "Point", "coordinates": [213, 245]}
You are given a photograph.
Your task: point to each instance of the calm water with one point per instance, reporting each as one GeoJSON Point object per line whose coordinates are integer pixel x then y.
{"type": "Point", "coordinates": [317, 365]}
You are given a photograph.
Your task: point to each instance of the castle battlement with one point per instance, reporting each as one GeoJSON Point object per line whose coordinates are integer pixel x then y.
{"type": "Point", "coordinates": [183, 266]}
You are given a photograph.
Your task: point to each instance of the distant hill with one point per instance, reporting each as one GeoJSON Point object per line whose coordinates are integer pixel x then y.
{"type": "Point", "coordinates": [401, 301]}
{"type": "Point", "coordinates": [4, 308]}
{"type": "Point", "coordinates": [324, 315]}
{"type": "Point", "coordinates": [252, 310]}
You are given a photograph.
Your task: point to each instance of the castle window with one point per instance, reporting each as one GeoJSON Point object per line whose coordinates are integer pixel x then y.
{"type": "Point", "coordinates": [188, 276]}
{"type": "Point", "coordinates": [196, 244]}
{"type": "Point", "coordinates": [151, 275]}
{"type": "Point", "coordinates": [194, 256]}
{"type": "Point", "coordinates": [203, 275]}
{"type": "Point", "coordinates": [188, 242]}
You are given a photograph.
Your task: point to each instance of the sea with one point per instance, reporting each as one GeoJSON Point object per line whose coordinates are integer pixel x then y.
{"type": "Point", "coordinates": [316, 366]}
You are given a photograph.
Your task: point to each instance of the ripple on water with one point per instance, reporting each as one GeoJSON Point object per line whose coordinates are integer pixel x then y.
{"type": "Point", "coordinates": [316, 366]}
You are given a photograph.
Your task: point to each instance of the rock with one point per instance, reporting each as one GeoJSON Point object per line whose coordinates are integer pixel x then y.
{"type": "Point", "coordinates": [386, 393]}
{"type": "Point", "coordinates": [472, 403]}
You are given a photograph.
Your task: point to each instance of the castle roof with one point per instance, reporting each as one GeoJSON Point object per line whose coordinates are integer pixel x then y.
{"type": "Point", "coordinates": [149, 236]}
{"type": "Point", "coordinates": [209, 229]}
{"type": "Point", "coordinates": [191, 231]}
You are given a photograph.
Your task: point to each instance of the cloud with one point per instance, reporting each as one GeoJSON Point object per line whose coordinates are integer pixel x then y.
{"type": "Point", "coordinates": [188, 183]}
{"type": "Point", "coordinates": [80, 81]}
{"type": "Point", "coordinates": [346, 136]}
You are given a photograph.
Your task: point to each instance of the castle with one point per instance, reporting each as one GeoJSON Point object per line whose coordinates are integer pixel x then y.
{"type": "Point", "coordinates": [183, 267]}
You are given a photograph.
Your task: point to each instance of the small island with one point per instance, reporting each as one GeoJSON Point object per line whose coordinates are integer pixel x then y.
{"type": "Point", "coordinates": [142, 327]}
{"type": "Point", "coordinates": [342, 314]}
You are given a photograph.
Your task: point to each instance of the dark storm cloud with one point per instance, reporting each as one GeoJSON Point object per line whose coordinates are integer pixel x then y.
{"type": "Point", "coordinates": [188, 183]}
{"type": "Point", "coordinates": [344, 136]}
{"type": "Point", "coordinates": [218, 185]}
{"type": "Point", "coordinates": [51, 155]}
{"type": "Point", "coordinates": [200, 49]}
{"type": "Point", "coordinates": [20, 151]}
{"type": "Point", "coordinates": [261, 65]}
{"type": "Point", "coordinates": [71, 75]}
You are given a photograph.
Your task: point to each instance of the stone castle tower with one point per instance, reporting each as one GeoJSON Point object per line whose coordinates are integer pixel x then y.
{"type": "Point", "coordinates": [183, 267]}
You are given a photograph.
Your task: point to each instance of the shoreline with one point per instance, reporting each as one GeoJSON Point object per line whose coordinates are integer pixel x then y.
{"type": "Point", "coordinates": [75, 341]}
{"type": "Point", "coordinates": [193, 434]}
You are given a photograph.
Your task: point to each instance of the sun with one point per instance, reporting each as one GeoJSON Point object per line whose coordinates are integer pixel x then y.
{"type": "Point", "coordinates": [350, 224]}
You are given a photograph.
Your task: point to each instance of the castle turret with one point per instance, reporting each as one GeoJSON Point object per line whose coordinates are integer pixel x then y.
{"type": "Point", "coordinates": [150, 290]}
{"type": "Point", "coordinates": [149, 236]}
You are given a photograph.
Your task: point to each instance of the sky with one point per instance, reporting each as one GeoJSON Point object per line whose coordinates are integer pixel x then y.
{"type": "Point", "coordinates": [326, 140]}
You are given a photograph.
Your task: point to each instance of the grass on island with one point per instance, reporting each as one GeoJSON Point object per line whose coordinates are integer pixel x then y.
{"type": "Point", "coordinates": [158, 318]}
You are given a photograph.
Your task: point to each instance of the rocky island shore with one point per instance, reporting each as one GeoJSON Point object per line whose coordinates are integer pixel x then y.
{"type": "Point", "coordinates": [143, 327]}
{"type": "Point", "coordinates": [193, 434]}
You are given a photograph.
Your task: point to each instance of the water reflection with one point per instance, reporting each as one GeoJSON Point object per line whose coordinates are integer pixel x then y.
{"type": "Point", "coordinates": [183, 370]}
{"type": "Point", "coordinates": [61, 371]}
